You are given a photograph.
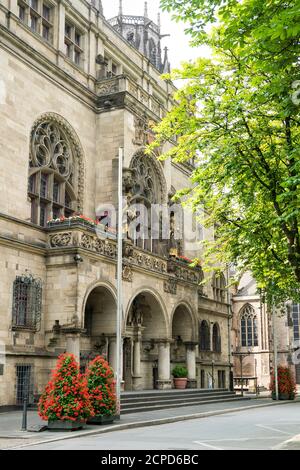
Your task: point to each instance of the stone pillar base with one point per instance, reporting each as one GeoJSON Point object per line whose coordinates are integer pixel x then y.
{"type": "Point", "coordinates": [164, 384]}
{"type": "Point", "coordinates": [137, 383]}
{"type": "Point", "coordinates": [191, 383]}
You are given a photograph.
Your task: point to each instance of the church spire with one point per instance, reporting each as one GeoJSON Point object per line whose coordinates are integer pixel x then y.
{"type": "Point", "coordinates": [146, 10]}
{"type": "Point", "coordinates": [120, 7]}
{"type": "Point", "coordinates": [158, 21]}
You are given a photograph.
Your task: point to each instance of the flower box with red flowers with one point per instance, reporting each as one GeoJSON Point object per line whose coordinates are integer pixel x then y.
{"type": "Point", "coordinates": [65, 403]}
{"type": "Point", "coordinates": [286, 384]}
{"type": "Point", "coordinates": [101, 387]}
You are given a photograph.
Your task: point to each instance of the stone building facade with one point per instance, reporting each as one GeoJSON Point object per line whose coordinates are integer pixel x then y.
{"type": "Point", "coordinates": [253, 336]}
{"type": "Point", "coordinates": [73, 91]}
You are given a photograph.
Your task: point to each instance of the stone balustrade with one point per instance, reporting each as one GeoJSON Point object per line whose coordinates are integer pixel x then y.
{"type": "Point", "coordinates": [122, 83]}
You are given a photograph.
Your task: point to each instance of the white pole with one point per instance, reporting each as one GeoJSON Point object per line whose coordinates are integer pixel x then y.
{"type": "Point", "coordinates": [275, 350]}
{"type": "Point", "coordinates": [119, 280]}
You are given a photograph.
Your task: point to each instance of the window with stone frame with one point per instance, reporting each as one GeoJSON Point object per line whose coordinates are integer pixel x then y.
{"type": "Point", "coordinates": [74, 38]}
{"type": "Point", "coordinates": [216, 338]}
{"type": "Point", "coordinates": [204, 336]}
{"type": "Point", "coordinates": [27, 302]}
{"type": "Point", "coordinates": [148, 190]}
{"type": "Point", "coordinates": [219, 287]}
{"type": "Point", "coordinates": [38, 15]}
{"type": "Point", "coordinates": [112, 69]}
{"type": "Point", "coordinates": [53, 173]}
{"type": "Point", "coordinates": [248, 327]}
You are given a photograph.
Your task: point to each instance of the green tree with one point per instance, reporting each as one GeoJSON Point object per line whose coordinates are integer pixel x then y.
{"type": "Point", "coordinates": [238, 116]}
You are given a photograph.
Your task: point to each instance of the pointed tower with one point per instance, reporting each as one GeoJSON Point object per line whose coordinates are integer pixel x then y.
{"type": "Point", "coordinates": [143, 34]}
{"type": "Point", "coordinates": [98, 5]}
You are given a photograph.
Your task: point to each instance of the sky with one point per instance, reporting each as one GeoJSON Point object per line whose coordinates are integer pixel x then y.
{"type": "Point", "coordinates": [177, 43]}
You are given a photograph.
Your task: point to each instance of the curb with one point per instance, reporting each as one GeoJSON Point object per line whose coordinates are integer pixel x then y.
{"type": "Point", "coordinates": [154, 422]}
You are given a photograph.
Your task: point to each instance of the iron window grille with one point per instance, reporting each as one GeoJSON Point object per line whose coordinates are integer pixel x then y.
{"type": "Point", "coordinates": [27, 302]}
{"type": "Point", "coordinates": [24, 383]}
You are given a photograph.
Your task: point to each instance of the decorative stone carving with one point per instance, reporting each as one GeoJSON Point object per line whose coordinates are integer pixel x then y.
{"type": "Point", "coordinates": [61, 240]}
{"type": "Point", "coordinates": [127, 274]}
{"type": "Point", "coordinates": [133, 89]}
{"type": "Point", "coordinates": [182, 273]}
{"type": "Point", "coordinates": [102, 247]}
{"type": "Point", "coordinates": [141, 127]}
{"type": "Point", "coordinates": [170, 286]}
{"type": "Point", "coordinates": [148, 262]}
{"type": "Point", "coordinates": [108, 88]}
{"type": "Point", "coordinates": [54, 144]}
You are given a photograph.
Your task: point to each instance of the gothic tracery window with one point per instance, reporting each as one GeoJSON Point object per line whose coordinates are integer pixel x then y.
{"type": "Point", "coordinates": [248, 325]}
{"type": "Point", "coordinates": [147, 191]}
{"type": "Point", "coordinates": [53, 173]}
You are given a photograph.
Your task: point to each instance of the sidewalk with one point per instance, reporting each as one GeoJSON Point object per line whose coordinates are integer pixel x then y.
{"type": "Point", "coordinates": [12, 437]}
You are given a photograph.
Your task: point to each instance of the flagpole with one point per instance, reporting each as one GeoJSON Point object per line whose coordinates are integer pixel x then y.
{"type": "Point", "coordinates": [119, 280]}
{"type": "Point", "coordinates": [275, 352]}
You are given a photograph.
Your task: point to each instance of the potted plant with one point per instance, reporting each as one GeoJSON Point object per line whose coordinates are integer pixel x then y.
{"type": "Point", "coordinates": [180, 374]}
{"type": "Point", "coordinates": [286, 384]}
{"type": "Point", "coordinates": [65, 403]}
{"type": "Point", "coordinates": [101, 387]}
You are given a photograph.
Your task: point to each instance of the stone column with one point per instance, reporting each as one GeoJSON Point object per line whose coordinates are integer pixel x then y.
{"type": "Point", "coordinates": [73, 344]}
{"type": "Point", "coordinates": [191, 364]}
{"type": "Point", "coordinates": [164, 380]}
{"type": "Point", "coordinates": [137, 384]}
{"type": "Point", "coordinates": [112, 353]}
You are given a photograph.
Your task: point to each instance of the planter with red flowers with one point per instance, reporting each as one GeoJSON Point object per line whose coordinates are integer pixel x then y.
{"type": "Point", "coordinates": [65, 403]}
{"type": "Point", "coordinates": [101, 387]}
{"type": "Point", "coordinates": [286, 384]}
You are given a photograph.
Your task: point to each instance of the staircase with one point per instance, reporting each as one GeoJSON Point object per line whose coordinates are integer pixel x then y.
{"type": "Point", "coordinates": [137, 402]}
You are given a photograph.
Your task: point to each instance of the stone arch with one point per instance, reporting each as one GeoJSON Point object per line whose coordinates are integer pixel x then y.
{"type": "Point", "coordinates": [176, 323]}
{"type": "Point", "coordinates": [77, 150]}
{"type": "Point", "coordinates": [99, 319]}
{"type": "Point", "coordinates": [157, 301]}
{"type": "Point", "coordinates": [105, 284]}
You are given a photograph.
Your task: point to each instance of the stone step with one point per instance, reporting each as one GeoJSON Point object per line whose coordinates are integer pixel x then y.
{"type": "Point", "coordinates": [175, 401]}
{"type": "Point", "coordinates": [163, 406]}
{"type": "Point", "coordinates": [172, 392]}
{"type": "Point", "coordinates": [174, 397]}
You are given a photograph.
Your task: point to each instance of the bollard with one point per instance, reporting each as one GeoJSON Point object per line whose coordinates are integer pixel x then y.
{"type": "Point", "coordinates": [24, 417]}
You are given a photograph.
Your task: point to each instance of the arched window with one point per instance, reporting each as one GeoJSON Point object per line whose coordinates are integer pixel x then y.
{"type": "Point", "coordinates": [55, 171]}
{"type": "Point", "coordinates": [216, 338]}
{"type": "Point", "coordinates": [148, 190]}
{"type": "Point", "coordinates": [204, 336]}
{"type": "Point", "coordinates": [219, 287]}
{"type": "Point", "coordinates": [249, 330]}
{"type": "Point", "coordinates": [27, 302]}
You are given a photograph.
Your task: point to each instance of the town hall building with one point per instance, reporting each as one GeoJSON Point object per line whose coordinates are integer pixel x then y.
{"type": "Point", "coordinates": [74, 88]}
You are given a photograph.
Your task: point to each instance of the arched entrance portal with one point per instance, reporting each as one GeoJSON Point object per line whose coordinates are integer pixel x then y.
{"type": "Point", "coordinates": [146, 348]}
{"type": "Point", "coordinates": [100, 325]}
{"type": "Point", "coordinates": [183, 350]}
